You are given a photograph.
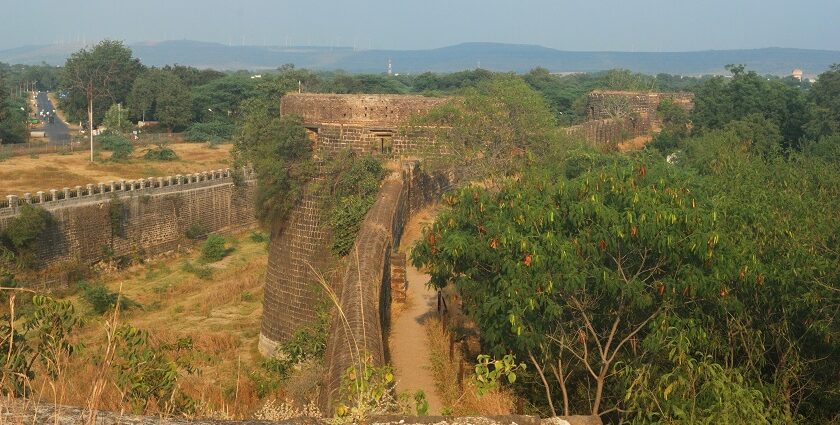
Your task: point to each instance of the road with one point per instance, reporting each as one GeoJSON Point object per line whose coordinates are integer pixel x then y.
{"type": "Point", "coordinates": [58, 133]}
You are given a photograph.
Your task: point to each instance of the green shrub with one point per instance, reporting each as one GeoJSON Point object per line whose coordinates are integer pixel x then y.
{"type": "Point", "coordinates": [195, 231]}
{"type": "Point", "coordinates": [107, 141]}
{"type": "Point", "coordinates": [354, 182]}
{"type": "Point", "coordinates": [147, 371]}
{"type": "Point", "coordinates": [208, 131]}
{"type": "Point", "coordinates": [214, 249]}
{"type": "Point", "coordinates": [344, 222]}
{"type": "Point", "coordinates": [23, 231]}
{"type": "Point", "coordinates": [103, 300]}
{"type": "Point", "coordinates": [120, 147]}
{"type": "Point", "coordinates": [203, 272]}
{"type": "Point", "coordinates": [258, 237]}
{"type": "Point", "coordinates": [160, 152]}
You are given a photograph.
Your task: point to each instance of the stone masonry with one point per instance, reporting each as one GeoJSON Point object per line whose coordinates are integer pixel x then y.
{"type": "Point", "coordinates": [157, 212]}
{"type": "Point", "coordinates": [602, 102]}
{"type": "Point", "coordinates": [365, 295]}
{"type": "Point", "coordinates": [299, 260]}
{"type": "Point", "coordinates": [370, 123]}
{"type": "Point", "coordinates": [615, 116]}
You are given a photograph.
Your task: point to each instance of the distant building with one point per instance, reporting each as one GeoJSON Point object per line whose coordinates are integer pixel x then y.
{"type": "Point", "coordinates": [796, 74]}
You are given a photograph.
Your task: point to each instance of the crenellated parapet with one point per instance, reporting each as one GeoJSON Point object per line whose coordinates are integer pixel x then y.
{"type": "Point", "coordinates": [135, 217]}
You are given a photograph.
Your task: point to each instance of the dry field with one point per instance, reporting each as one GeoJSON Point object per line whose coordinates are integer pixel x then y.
{"type": "Point", "coordinates": [221, 314]}
{"type": "Point", "coordinates": [54, 171]}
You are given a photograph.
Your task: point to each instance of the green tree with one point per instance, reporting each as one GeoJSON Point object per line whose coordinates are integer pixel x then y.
{"type": "Point", "coordinates": [718, 102]}
{"type": "Point", "coordinates": [493, 128]}
{"type": "Point", "coordinates": [221, 99]}
{"type": "Point", "coordinates": [161, 94]}
{"type": "Point", "coordinates": [280, 153]}
{"type": "Point", "coordinates": [577, 274]}
{"type": "Point", "coordinates": [116, 119]}
{"type": "Point", "coordinates": [825, 95]}
{"type": "Point", "coordinates": [105, 72]}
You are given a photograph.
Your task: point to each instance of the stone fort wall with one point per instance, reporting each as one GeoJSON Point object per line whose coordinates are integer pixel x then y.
{"type": "Point", "coordinates": [611, 130]}
{"type": "Point", "coordinates": [602, 104]}
{"type": "Point", "coordinates": [615, 116]}
{"type": "Point", "coordinates": [156, 212]}
{"type": "Point", "coordinates": [300, 263]}
{"type": "Point", "coordinates": [369, 123]}
{"type": "Point", "coordinates": [364, 294]}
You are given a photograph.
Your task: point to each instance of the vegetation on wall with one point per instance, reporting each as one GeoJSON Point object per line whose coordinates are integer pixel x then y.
{"type": "Point", "coordinates": [21, 235]}
{"type": "Point", "coordinates": [280, 153]}
{"type": "Point", "coordinates": [351, 183]}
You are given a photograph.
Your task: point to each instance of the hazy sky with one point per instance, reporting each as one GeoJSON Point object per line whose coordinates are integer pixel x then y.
{"type": "Point", "coordinates": [638, 25]}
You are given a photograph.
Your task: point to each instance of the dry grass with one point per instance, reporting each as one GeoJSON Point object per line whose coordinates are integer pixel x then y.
{"type": "Point", "coordinates": [221, 315]}
{"type": "Point", "coordinates": [55, 171]}
{"type": "Point", "coordinates": [463, 399]}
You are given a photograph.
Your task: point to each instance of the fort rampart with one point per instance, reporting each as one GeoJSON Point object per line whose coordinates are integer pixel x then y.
{"type": "Point", "coordinates": [133, 217]}
{"type": "Point", "coordinates": [369, 123]}
{"type": "Point", "coordinates": [300, 263]}
{"type": "Point", "coordinates": [359, 333]}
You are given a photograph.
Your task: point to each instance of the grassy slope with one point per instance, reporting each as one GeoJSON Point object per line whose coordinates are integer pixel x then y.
{"type": "Point", "coordinates": [221, 315]}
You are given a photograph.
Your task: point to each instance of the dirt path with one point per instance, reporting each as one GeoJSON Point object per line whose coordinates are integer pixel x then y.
{"type": "Point", "coordinates": [409, 347]}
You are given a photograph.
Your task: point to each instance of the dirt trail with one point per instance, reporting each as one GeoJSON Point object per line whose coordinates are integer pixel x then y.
{"type": "Point", "coordinates": [409, 347]}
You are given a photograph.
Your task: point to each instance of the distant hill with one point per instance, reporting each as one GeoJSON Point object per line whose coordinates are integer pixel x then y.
{"type": "Point", "coordinates": [492, 56]}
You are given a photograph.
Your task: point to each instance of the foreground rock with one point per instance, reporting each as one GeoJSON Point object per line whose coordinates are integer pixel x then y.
{"type": "Point", "coordinates": [22, 412]}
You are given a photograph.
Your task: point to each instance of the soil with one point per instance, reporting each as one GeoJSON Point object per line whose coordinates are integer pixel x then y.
{"type": "Point", "coordinates": [409, 349]}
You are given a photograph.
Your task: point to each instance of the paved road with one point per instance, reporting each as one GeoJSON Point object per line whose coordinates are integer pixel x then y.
{"type": "Point", "coordinates": [58, 133]}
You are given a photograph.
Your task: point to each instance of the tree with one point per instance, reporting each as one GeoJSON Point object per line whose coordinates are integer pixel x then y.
{"type": "Point", "coordinates": [173, 103]}
{"type": "Point", "coordinates": [718, 102]}
{"type": "Point", "coordinates": [825, 95]}
{"type": "Point", "coordinates": [116, 119]}
{"type": "Point", "coordinates": [637, 286]}
{"type": "Point", "coordinates": [107, 71]}
{"type": "Point", "coordinates": [162, 95]}
{"type": "Point", "coordinates": [280, 153]}
{"type": "Point", "coordinates": [493, 128]}
{"type": "Point", "coordinates": [141, 99]}
{"type": "Point", "coordinates": [13, 127]}
{"type": "Point", "coordinates": [220, 99]}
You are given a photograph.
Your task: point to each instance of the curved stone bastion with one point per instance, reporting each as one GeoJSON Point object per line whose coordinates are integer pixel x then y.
{"type": "Point", "coordinates": [299, 261]}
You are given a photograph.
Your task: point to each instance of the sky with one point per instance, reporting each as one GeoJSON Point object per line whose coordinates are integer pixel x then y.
{"type": "Point", "coordinates": [583, 25]}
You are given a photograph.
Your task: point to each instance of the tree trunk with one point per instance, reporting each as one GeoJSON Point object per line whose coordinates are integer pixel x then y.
{"type": "Point", "coordinates": [90, 125]}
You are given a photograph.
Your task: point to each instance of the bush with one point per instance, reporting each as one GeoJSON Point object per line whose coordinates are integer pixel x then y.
{"type": "Point", "coordinates": [160, 152]}
{"type": "Point", "coordinates": [258, 237]}
{"type": "Point", "coordinates": [103, 300]}
{"type": "Point", "coordinates": [23, 231]}
{"type": "Point", "coordinates": [195, 231]}
{"type": "Point", "coordinates": [203, 272]}
{"type": "Point", "coordinates": [214, 249]}
{"type": "Point", "coordinates": [147, 371]}
{"type": "Point", "coordinates": [209, 131]}
{"type": "Point", "coordinates": [120, 147]}
{"type": "Point", "coordinates": [355, 183]}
